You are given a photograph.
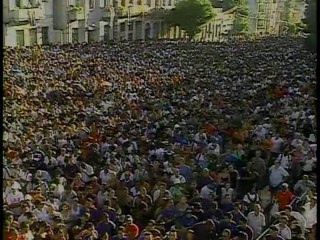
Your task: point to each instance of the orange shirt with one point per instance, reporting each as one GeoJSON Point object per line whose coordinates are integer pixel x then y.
{"type": "Point", "coordinates": [209, 128]}
{"type": "Point", "coordinates": [267, 144]}
{"type": "Point", "coordinates": [284, 198]}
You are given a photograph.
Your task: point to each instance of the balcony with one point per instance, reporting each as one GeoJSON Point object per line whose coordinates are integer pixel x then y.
{"type": "Point", "coordinates": [108, 14]}
{"type": "Point", "coordinates": [76, 14]}
{"type": "Point", "coordinates": [20, 14]}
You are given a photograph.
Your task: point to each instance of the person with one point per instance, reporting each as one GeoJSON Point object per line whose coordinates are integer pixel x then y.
{"type": "Point", "coordinates": [283, 228]}
{"type": "Point", "coordinates": [256, 220]}
{"type": "Point", "coordinates": [301, 221]}
{"type": "Point", "coordinates": [243, 227]}
{"type": "Point", "coordinates": [277, 176]}
{"type": "Point", "coordinates": [226, 234]}
{"type": "Point", "coordinates": [135, 117]}
{"type": "Point", "coordinates": [310, 213]}
{"type": "Point", "coordinates": [204, 230]}
{"type": "Point", "coordinates": [274, 234]}
{"type": "Point", "coordinates": [284, 196]}
{"type": "Point", "coordinates": [303, 185]}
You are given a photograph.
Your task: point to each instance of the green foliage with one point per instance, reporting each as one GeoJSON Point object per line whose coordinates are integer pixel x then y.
{"type": "Point", "coordinates": [241, 24]}
{"type": "Point", "coordinates": [311, 25]}
{"type": "Point", "coordinates": [291, 7]}
{"type": "Point", "coordinates": [190, 15]}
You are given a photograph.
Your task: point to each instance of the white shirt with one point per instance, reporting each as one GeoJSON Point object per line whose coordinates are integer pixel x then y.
{"type": "Point", "coordinates": [300, 218]}
{"type": "Point", "coordinates": [29, 235]}
{"type": "Point", "coordinates": [276, 144]}
{"type": "Point", "coordinates": [309, 164]}
{"type": "Point", "coordinates": [42, 214]}
{"type": "Point", "coordinates": [261, 133]}
{"type": "Point", "coordinates": [60, 160]}
{"type": "Point", "coordinates": [224, 192]}
{"type": "Point", "coordinates": [206, 192]}
{"type": "Point", "coordinates": [180, 179]}
{"type": "Point", "coordinates": [156, 195]}
{"type": "Point", "coordinates": [106, 177]}
{"type": "Point", "coordinates": [86, 172]}
{"type": "Point", "coordinates": [285, 232]}
{"type": "Point", "coordinates": [310, 214]}
{"type": "Point", "coordinates": [277, 175]}
{"type": "Point", "coordinates": [15, 198]}
{"type": "Point", "coordinates": [284, 160]}
{"type": "Point", "coordinates": [256, 222]}
{"type": "Point", "coordinates": [249, 198]}
{"type": "Point", "coordinates": [296, 142]}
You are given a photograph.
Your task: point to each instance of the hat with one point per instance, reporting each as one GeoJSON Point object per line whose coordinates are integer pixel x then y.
{"type": "Point", "coordinates": [132, 229]}
{"type": "Point", "coordinates": [285, 185]}
{"type": "Point", "coordinates": [28, 197]}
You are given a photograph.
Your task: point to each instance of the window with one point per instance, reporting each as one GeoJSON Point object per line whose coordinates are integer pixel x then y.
{"type": "Point", "coordinates": [91, 4]}
{"type": "Point", "coordinates": [18, 3]}
{"type": "Point", "coordinates": [106, 29]}
{"type": "Point", "coordinates": [130, 1]}
{"type": "Point", "coordinates": [130, 25]}
{"type": "Point", "coordinates": [107, 3]}
{"type": "Point", "coordinates": [148, 3]}
{"type": "Point", "coordinates": [157, 2]}
{"type": "Point", "coordinates": [45, 35]}
{"type": "Point", "coordinates": [75, 35]}
{"type": "Point", "coordinates": [122, 27]}
{"type": "Point", "coordinates": [261, 24]}
{"type": "Point", "coordinates": [139, 2]}
{"type": "Point", "coordinates": [262, 8]}
{"type": "Point", "coordinates": [170, 3]}
{"type": "Point", "coordinates": [33, 36]}
{"type": "Point", "coordinates": [130, 36]}
{"type": "Point", "coordinates": [20, 37]}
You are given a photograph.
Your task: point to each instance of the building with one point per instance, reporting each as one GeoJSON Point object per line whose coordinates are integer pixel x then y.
{"type": "Point", "coordinates": [26, 22]}
{"type": "Point", "coordinates": [267, 16]}
{"type": "Point", "coordinates": [29, 22]}
{"type": "Point", "coordinates": [264, 16]}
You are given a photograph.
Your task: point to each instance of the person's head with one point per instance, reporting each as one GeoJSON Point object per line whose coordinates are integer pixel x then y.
{"type": "Point", "coordinates": [257, 208]}
{"type": "Point", "coordinates": [284, 187]}
{"type": "Point", "coordinates": [284, 220]}
{"type": "Point", "coordinates": [273, 231]}
{"type": "Point", "coordinates": [147, 236]}
{"type": "Point", "coordinates": [258, 153]}
{"type": "Point", "coordinates": [183, 200]}
{"type": "Point", "coordinates": [243, 221]}
{"type": "Point", "coordinates": [305, 178]}
{"type": "Point", "coordinates": [172, 235]}
{"type": "Point", "coordinates": [242, 236]}
{"type": "Point", "coordinates": [210, 224]}
{"type": "Point", "coordinates": [226, 234]}
{"type": "Point", "coordinates": [277, 164]}
{"type": "Point", "coordinates": [231, 168]}
{"type": "Point", "coordinates": [190, 234]}
{"type": "Point", "coordinates": [288, 210]}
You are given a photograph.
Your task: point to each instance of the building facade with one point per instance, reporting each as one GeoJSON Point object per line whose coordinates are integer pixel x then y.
{"type": "Point", "coordinates": [29, 22]}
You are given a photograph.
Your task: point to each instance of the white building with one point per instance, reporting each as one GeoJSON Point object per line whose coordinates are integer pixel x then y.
{"type": "Point", "coordinates": [28, 22]}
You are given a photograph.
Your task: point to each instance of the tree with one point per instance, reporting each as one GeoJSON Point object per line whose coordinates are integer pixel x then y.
{"type": "Point", "coordinates": [191, 15]}
{"type": "Point", "coordinates": [311, 25]}
{"type": "Point", "coordinates": [241, 24]}
{"type": "Point", "coordinates": [291, 15]}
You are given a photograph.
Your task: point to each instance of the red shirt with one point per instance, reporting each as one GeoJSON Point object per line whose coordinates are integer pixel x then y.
{"type": "Point", "coordinates": [284, 198]}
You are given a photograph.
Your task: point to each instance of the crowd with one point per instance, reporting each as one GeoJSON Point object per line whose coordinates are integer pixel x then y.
{"type": "Point", "coordinates": [160, 140]}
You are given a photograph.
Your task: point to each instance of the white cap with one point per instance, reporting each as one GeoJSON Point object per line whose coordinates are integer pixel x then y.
{"type": "Point", "coordinates": [28, 197]}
